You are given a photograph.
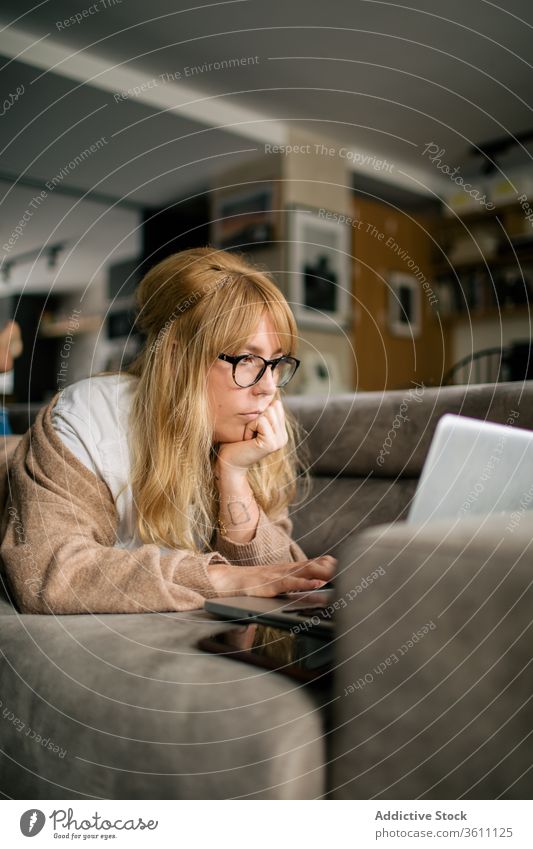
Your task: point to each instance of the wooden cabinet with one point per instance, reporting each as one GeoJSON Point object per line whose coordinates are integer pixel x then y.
{"type": "Point", "coordinates": [387, 240]}
{"type": "Point", "coordinates": [483, 264]}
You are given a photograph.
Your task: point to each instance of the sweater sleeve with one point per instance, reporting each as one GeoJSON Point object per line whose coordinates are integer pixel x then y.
{"type": "Point", "coordinates": [58, 535]}
{"type": "Point", "coordinates": [271, 543]}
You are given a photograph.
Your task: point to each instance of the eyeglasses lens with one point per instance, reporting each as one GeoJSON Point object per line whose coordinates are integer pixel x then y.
{"type": "Point", "coordinates": [247, 370]}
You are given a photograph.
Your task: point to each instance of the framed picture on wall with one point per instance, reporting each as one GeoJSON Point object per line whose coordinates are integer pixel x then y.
{"type": "Point", "coordinates": [319, 270]}
{"type": "Point", "coordinates": [405, 305]}
{"type": "Point", "coordinates": [245, 218]}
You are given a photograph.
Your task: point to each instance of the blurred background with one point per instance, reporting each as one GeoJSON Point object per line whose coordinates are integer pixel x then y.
{"type": "Point", "coordinates": [375, 157]}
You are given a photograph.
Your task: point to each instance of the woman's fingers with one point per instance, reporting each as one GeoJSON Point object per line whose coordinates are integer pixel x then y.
{"type": "Point", "coordinates": [266, 436]}
{"type": "Point", "coordinates": [276, 416]}
{"type": "Point", "coordinates": [268, 581]}
{"type": "Point", "coordinates": [287, 584]}
{"type": "Point", "coordinates": [292, 585]}
{"type": "Point", "coordinates": [303, 577]}
{"type": "Point", "coordinates": [322, 568]}
{"type": "Point", "coordinates": [269, 429]}
{"type": "Point", "coordinates": [274, 413]}
{"type": "Point", "coordinates": [250, 430]}
{"type": "Point", "coordinates": [263, 430]}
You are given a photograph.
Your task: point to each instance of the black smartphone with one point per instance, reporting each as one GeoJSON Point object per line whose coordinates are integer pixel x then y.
{"type": "Point", "coordinates": [303, 657]}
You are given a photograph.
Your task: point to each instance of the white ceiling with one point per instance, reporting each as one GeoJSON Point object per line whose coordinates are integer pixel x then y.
{"type": "Point", "coordinates": [377, 76]}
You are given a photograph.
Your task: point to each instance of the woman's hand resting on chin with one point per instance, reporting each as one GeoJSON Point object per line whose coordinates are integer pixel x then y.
{"type": "Point", "coordinates": [261, 437]}
{"type": "Point", "coordinates": [277, 578]}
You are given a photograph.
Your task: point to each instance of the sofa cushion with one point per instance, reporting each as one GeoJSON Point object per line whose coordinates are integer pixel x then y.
{"type": "Point", "coordinates": [339, 506]}
{"type": "Point", "coordinates": [127, 707]}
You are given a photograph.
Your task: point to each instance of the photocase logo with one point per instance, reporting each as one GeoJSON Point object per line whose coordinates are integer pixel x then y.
{"type": "Point", "coordinates": [32, 822]}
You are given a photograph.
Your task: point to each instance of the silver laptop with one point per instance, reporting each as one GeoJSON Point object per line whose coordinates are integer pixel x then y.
{"type": "Point", "coordinates": [473, 468]}
{"type": "Point", "coordinates": [308, 614]}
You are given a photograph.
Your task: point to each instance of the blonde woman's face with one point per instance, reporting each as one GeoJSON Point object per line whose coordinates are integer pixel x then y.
{"type": "Point", "coordinates": [228, 403]}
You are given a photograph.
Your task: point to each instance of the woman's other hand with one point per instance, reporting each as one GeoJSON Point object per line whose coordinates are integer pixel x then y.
{"type": "Point", "coordinates": [272, 580]}
{"type": "Point", "coordinates": [10, 345]}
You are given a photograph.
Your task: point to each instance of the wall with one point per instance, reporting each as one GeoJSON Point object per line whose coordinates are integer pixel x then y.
{"type": "Point", "coordinates": [95, 236]}
{"type": "Point", "coordinates": [302, 178]}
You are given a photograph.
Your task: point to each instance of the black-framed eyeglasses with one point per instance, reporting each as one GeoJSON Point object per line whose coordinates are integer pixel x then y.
{"type": "Point", "coordinates": [250, 368]}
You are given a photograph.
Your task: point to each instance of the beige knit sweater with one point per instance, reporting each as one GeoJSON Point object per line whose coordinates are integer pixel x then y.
{"type": "Point", "coordinates": [59, 529]}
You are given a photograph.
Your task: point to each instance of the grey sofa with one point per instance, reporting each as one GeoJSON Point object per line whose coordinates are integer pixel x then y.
{"type": "Point", "coordinates": [118, 707]}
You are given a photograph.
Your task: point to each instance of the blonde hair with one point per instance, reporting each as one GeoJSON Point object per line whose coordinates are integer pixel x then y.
{"type": "Point", "coordinates": [193, 306]}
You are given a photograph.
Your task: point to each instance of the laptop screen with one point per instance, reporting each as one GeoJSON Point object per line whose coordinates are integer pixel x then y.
{"type": "Point", "coordinates": [474, 468]}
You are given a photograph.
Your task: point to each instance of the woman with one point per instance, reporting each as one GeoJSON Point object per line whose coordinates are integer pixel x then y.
{"type": "Point", "coordinates": [155, 488]}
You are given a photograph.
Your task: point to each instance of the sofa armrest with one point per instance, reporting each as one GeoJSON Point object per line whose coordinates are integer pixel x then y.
{"type": "Point", "coordinates": [434, 659]}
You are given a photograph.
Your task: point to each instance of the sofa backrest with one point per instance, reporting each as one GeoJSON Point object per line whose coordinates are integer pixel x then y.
{"type": "Point", "coordinates": [388, 433]}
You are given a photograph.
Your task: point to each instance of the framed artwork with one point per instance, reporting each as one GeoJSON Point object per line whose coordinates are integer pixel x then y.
{"type": "Point", "coordinates": [405, 305]}
{"type": "Point", "coordinates": [319, 270]}
{"type": "Point", "coordinates": [244, 219]}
